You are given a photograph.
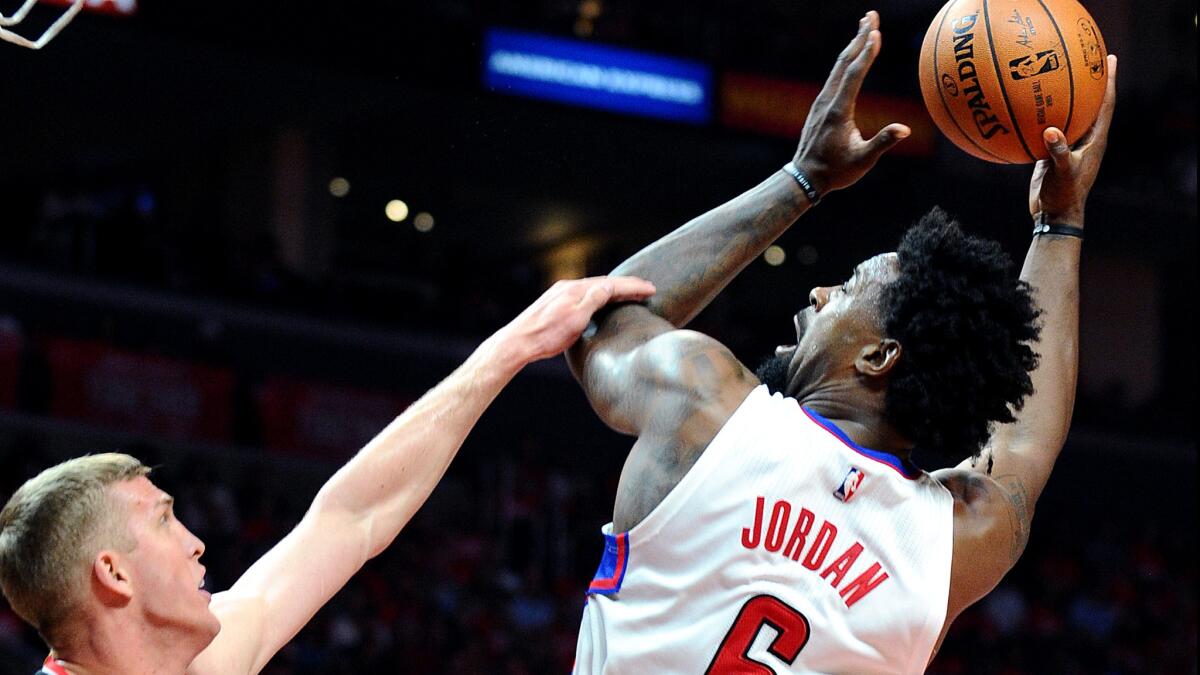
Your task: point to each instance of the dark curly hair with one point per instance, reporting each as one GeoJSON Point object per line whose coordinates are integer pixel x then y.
{"type": "Point", "coordinates": [965, 323]}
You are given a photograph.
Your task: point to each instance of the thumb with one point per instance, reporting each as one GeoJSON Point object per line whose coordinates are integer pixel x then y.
{"type": "Point", "coordinates": [886, 138]}
{"type": "Point", "coordinates": [1056, 145]}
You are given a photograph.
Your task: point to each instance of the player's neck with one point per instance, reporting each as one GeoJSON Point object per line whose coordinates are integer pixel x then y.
{"type": "Point", "coordinates": [861, 417]}
{"type": "Point", "coordinates": [116, 645]}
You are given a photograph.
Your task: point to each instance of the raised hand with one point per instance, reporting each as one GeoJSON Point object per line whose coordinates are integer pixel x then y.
{"type": "Point", "coordinates": [832, 151]}
{"type": "Point", "coordinates": [1060, 185]}
{"type": "Point", "coordinates": [557, 319]}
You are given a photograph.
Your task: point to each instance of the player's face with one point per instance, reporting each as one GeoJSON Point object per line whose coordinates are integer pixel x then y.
{"type": "Point", "coordinates": [165, 570]}
{"type": "Point", "coordinates": [831, 332]}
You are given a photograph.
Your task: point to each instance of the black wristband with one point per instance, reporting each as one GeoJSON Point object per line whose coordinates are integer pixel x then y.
{"type": "Point", "coordinates": [1040, 228]}
{"type": "Point", "coordinates": [805, 183]}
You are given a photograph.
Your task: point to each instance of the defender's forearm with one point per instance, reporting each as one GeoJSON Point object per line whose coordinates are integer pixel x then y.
{"type": "Point", "coordinates": [693, 263]}
{"type": "Point", "coordinates": [391, 477]}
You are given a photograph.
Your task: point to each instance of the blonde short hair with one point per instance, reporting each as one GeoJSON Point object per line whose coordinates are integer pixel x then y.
{"type": "Point", "coordinates": [50, 531]}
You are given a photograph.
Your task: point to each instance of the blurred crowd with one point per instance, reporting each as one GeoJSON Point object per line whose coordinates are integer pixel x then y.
{"type": "Point", "coordinates": [489, 577]}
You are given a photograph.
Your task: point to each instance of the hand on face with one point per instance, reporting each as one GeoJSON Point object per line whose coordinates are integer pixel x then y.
{"type": "Point", "coordinates": [832, 151]}
{"type": "Point", "coordinates": [1060, 185]}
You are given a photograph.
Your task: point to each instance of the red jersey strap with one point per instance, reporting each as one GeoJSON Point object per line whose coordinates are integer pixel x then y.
{"type": "Point", "coordinates": [52, 667]}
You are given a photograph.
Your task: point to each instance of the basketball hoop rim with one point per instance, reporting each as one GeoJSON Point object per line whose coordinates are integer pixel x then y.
{"type": "Point", "coordinates": [47, 35]}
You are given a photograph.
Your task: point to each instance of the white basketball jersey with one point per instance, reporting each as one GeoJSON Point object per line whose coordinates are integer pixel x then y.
{"type": "Point", "coordinates": [785, 549]}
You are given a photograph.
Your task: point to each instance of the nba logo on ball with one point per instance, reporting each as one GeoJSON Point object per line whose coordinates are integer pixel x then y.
{"type": "Point", "coordinates": [850, 484]}
{"type": "Point", "coordinates": [995, 74]}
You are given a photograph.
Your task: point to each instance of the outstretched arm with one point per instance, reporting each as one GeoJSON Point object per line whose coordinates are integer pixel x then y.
{"type": "Point", "coordinates": [364, 505]}
{"type": "Point", "coordinates": [993, 515]}
{"type": "Point", "coordinates": [695, 262]}
{"type": "Point", "coordinates": [1022, 454]}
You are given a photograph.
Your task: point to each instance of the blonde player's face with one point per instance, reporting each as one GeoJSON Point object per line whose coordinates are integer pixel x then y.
{"type": "Point", "coordinates": [166, 574]}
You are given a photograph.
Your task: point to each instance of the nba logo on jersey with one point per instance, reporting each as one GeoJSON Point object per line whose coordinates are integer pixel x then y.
{"type": "Point", "coordinates": [850, 484]}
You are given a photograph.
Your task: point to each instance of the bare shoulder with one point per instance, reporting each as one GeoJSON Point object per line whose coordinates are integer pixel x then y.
{"type": "Point", "coordinates": [692, 358]}
{"type": "Point", "coordinates": [998, 505]}
{"type": "Point", "coordinates": [988, 534]}
{"type": "Point", "coordinates": [699, 384]}
{"type": "Point", "coordinates": [971, 489]}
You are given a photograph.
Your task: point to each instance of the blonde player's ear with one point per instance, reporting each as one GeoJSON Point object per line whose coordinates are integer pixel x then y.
{"type": "Point", "coordinates": [110, 579]}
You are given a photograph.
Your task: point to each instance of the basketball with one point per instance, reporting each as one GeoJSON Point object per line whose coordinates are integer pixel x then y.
{"type": "Point", "coordinates": [995, 74]}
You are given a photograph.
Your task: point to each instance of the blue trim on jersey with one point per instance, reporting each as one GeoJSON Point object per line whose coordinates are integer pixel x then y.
{"type": "Point", "coordinates": [611, 572]}
{"type": "Point", "coordinates": [906, 468]}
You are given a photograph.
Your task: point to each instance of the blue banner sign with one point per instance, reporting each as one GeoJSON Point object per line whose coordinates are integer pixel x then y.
{"type": "Point", "coordinates": [596, 76]}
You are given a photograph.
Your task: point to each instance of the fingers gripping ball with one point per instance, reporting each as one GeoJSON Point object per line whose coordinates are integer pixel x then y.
{"type": "Point", "coordinates": [996, 73]}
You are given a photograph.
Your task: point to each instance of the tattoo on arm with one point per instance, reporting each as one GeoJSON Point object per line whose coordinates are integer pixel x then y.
{"type": "Point", "coordinates": [691, 265]}
{"type": "Point", "coordinates": [1020, 513]}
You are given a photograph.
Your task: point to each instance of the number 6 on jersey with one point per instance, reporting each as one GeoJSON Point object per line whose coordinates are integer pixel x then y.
{"type": "Point", "coordinates": [791, 628]}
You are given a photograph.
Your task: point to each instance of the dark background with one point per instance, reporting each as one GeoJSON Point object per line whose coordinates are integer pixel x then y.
{"type": "Point", "coordinates": [177, 281]}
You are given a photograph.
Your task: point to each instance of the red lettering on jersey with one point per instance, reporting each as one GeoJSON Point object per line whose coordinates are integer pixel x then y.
{"type": "Point", "coordinates": [865, 583]}
{"type": "Point", "coordinates": [820, 546]}
{"type": "Point", "coordinates": [815, 549]}
{"type": "Point", "coordinates": [747, 541]}
{"type": "Point", "coordinates": [780, 516]}
{"type": "Point", "coordinates": [804, 523]}
{"type": "Point", "coordinates": [842, 565]}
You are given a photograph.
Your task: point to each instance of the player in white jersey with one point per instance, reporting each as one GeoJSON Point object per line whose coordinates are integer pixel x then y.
{"type": "Point", "coordinates": [775, 523]}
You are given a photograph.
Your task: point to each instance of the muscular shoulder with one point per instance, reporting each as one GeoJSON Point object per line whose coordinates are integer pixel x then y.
{"type": "Point", "coordinates": [972, 490]}
{"type": "Point", "coordinates": [690, 360]}
{"type": "Point", "coordinates": [690, 387]}
{"type": "Point", "coordinates": [696, 382]}
{"type": "Point", "coordinates": [989, 534]}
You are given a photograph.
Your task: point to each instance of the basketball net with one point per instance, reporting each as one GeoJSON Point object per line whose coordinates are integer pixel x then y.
{"type": "Point", "coordinates": [19, 16]}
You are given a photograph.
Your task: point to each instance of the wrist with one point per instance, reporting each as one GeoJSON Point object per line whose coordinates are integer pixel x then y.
{"type": "Point", "coordinates": [1066, 225]}
{"type": "Point", "coordinates": [816, 172]}
{"type": "Point", "coordinates": [505, 353]}
{"type": "Point", "coordinates": [1069, 217]}
{"type": "Point", "coordinates": [804, 181]}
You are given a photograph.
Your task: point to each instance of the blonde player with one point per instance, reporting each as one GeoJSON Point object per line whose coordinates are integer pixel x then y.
{"type": "Point", "coordinates": [776, 524]}
{"type": "Point", "coordinates": [91, 553]}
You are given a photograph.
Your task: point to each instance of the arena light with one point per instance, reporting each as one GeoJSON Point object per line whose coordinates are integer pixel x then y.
{"type": "Point", "coordinates": [339, 187]}
{"type": "Point", "coordinates": [597, 76]}
{"type": "Point", "coordinates": [423, 222]}
{"type": "Point", "coordinates": [396, 211]}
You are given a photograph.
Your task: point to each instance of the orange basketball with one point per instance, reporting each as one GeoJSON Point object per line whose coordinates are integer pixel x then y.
{"type": "Point", "coordinates": [996, 73]}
